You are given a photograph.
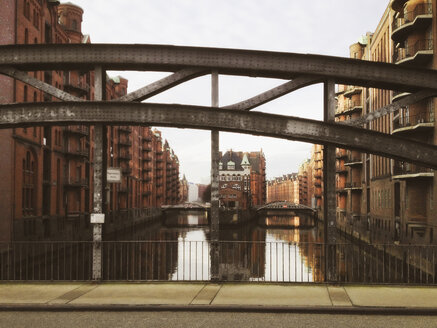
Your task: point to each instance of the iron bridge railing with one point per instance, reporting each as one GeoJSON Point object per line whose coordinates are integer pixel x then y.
{"type": "Point", "coordinates": [253, 261]}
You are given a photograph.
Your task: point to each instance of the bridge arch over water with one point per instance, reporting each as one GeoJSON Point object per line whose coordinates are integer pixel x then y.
{"type": "Point", "coordinates": [299, 70]}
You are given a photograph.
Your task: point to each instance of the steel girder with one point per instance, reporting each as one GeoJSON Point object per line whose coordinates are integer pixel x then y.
{"type": "Point", "coordinates": [163, 84]}
{"type": "Point", "coordinates": [224, 61]}
{"type": "Point", "coordinates": [272, 94]}
{"type": "Point", "coordinates": [183, 116]}
{"type": "Point", "coordinates": [40, 85]}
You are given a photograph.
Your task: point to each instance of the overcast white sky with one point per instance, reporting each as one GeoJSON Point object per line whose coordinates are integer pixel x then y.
{"type": "Point", "coordinates": [317, 27]}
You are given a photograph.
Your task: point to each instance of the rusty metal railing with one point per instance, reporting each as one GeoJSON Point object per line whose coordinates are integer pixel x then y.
{"type": "Point", "coordinates": [254, 261]}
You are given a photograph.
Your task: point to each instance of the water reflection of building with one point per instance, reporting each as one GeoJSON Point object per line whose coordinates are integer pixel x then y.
{"type": "Point", "coordinates": [242, 254]}
{"type": "Point", "coordinates": [308, 243]}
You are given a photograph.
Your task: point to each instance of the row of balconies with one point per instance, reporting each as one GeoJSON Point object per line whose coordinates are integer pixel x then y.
{"type": "Point", "coordinates": [403, 169]}
{"type": "Point", "coordinates": [418, 18]}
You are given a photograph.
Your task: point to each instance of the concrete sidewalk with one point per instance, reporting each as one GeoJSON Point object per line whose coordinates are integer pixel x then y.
{"type": "Point", "coordinates": [218, 297]}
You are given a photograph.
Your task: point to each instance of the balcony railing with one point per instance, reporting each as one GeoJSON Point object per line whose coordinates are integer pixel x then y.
{"type": "Point", "coordinates": [125, 156]}
{"type": "Point", "coordinates": [353, 161]}
{"type": "Point", "coordinates": [402, 168]}
{"type": "Point", "coordinates": [123, 128]}
{"type": "Point", "coordinates": [76, 152]}
{"type": "Point", "coordinates": [352, 90]}
{"type": "Point", "coordinates": [147, 158]}
{"type": "Point", "coordinates": [410, 16]}
{"type": "Point", "coordinates": [413, 120]}
{"type": "Point", "coordinates": [126, 143]}
{"type": "Point", "coordinates": [353, 105]}
{"type": "Point", "coordinates": [410, 51]}
{"type": "Point", "coordinates": [353, 185]}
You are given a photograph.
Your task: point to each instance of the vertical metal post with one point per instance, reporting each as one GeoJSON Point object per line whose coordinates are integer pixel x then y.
{"type": "Point", "coordinates": [329, 195]}
{"type": "Point", "coordinates": [97, 217]}
{"type": "Point", "coordinates": [215, 157]}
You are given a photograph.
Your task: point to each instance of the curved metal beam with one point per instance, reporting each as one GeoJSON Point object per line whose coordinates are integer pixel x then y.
{"type": "Point", "coordinates": [272, 94]}
{"type": "Point", "coordinates": [37, 84]}
{"type": "Point", "coordinates": [256, 123]}
{"type": "Point", "coordinates": [163, 84]}
{"type": "Point", "coordinates": [225, 61]}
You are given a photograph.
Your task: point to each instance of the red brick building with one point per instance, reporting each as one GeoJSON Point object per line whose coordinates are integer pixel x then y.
{"type": "Point", "coordinates": [46, 172]}
{"type": "Point", "coordinates": [285, 188]}
{"type": "Point", "coordinates": [242, 179]}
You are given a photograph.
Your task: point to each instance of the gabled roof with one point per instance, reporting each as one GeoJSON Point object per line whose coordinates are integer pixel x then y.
{"type": "Point", "coordinates": [233, 157]}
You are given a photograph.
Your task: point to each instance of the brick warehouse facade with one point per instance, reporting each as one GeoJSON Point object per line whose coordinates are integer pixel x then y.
{"type": "Point", "coordinates": [46, 172]}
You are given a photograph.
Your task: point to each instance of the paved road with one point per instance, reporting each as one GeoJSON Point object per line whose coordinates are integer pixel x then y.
{"type": "Point", "coordinates": [205, 319]}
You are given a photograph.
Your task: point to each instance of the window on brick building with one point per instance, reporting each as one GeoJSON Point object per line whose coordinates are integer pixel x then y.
{"type": "Point", "coordinates": [28, 185]}
{"type": "Point", "coordinates": [26, 36]}
{"type": "Point", "coordinates": [74, 25]}
{"type": "Point", "coordinates": [26, 9]}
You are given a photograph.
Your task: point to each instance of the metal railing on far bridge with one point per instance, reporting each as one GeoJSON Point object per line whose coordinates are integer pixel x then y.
{"type": "Point", "coordinates": [245, 261]}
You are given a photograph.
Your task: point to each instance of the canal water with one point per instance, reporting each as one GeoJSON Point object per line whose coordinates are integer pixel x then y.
{"type": "Point", "coordinates": [274, 249]}
{"type": "Point", "coordinates": [179, 249]}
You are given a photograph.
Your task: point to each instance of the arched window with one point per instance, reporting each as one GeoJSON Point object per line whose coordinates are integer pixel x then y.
{"type": "Point", "coordinates": [74, 25]}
